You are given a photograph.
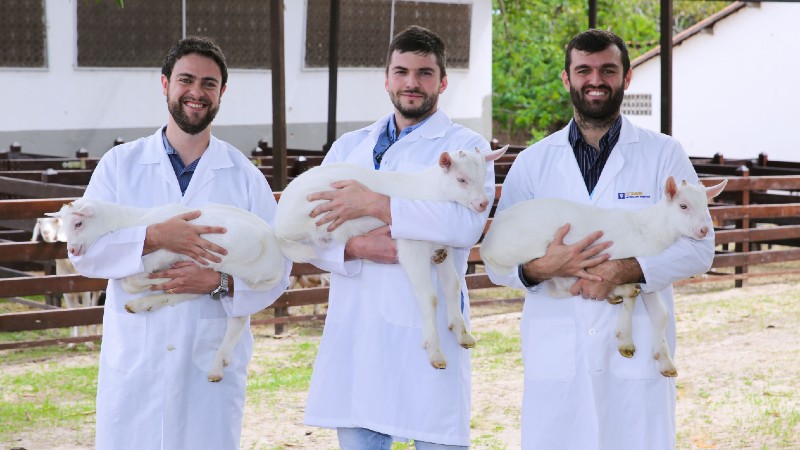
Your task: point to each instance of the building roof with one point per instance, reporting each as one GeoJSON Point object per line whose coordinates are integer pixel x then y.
{"type": "Point", "coordinates": [704, 25]}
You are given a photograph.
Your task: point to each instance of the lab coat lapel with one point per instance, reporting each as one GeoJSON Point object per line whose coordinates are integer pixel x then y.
{"type": "Point", "coordinates": [568, 167]}
{"type": "Point", "coordinates": [215, 157]}
{"type": "Point", "coordinates": [155, 154]}
{"type": "Point", "coordinates": [615, 162]}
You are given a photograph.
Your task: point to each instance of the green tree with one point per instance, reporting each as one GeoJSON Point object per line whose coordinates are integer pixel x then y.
{"type": "Point", "coordinates": [529, 37]}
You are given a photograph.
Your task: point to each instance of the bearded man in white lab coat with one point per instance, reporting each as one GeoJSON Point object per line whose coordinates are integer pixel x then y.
{"type": "Point", "coordinates": [580, 393]}
{"type": "Point", "coordinates": [153, 392]}
{"type": "Point", "coordinates": [372, 380]}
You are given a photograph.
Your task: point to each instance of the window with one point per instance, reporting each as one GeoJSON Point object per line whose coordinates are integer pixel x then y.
{"type": "Point", "coordinates": [365, 30]}
{"type": "Point", "coordinates": [141, 33]}
{"type": "Point", "coordinates": [22, 33]}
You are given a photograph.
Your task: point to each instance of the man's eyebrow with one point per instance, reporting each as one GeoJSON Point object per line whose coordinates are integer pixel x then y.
{"type": "Point", "coordinates": [193, 76]}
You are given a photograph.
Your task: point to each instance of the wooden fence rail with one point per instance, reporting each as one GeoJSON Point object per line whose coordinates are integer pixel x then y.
{"type": "Point", "coordinates": [740, 223]}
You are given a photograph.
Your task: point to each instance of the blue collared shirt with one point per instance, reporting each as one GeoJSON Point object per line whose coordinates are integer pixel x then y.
{"type": "Point", "coordinates": [388, 137]}
{"type": "Point", "coordinates": [182, 171]}
{"type": "Point", "coordinates": [591, 160]}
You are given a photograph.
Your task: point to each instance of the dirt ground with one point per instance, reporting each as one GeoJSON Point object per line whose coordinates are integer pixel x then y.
{"type": "Point", "coordinates": [738, 358]}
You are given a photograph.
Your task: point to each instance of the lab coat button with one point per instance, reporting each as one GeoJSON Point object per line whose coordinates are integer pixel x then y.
{"type": "Point", "coordinates": [592, 331]}
{"type": "Point", "coordinates": [170, 347]}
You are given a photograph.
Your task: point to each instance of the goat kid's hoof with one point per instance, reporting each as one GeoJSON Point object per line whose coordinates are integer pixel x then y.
{"type": "Point", "coordinates": [614, 300]}
{"type": "Point", "coordinates": [466, 340]}
{"type": "Point", "coordinates": [439, 255]}
{"type": "Point", "coordinates": [129, 309]}
{"type": "Point", "coordinates": [627, 350]}
{"type": "Point", "coordinates": [214, 378]}
{"type": "Point", "coordinates": [437, 359]}
{"type": "Point", "coordinates": [670, 373]}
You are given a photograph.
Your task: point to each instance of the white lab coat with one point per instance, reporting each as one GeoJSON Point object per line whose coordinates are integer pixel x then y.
{"type": "Point", "coordinates": [153, 391]}
{"type": "Point", "coordinates": [580, 393]}
{"type": "Point", "coordinates": [371, 370]}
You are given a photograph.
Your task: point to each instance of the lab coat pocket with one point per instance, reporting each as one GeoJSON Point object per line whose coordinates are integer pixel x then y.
{"type": "Point", "coordinates": [642, 366]}
{"type": "Point", "coordinates": [123, 340]}
{"type": "Point", "coordinates": [207, 340]}
{"type": "Point", "coordinates": [549, 350]}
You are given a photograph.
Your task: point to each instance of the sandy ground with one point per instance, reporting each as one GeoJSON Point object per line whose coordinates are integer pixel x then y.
{"type": "Point", "coordinates": [738, 358]}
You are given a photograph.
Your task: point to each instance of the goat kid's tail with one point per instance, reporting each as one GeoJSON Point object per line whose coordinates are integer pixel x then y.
{"type": "Point", "coordinates": [299, 252]}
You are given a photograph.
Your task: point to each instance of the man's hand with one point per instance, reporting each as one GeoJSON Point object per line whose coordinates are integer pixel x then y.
{"type": "Point", "coordinates": [348, 200]}
{"type": "Point", "coordinates": [179, 236]}
{"type": "Point", "coordinates": [376, 246]}
{"type": "Point", "coordinates": [186, 277]}
{"type": "Point", "coordinates": [612, 273]}
{"type": "Point", "coordinates": [562, 260]}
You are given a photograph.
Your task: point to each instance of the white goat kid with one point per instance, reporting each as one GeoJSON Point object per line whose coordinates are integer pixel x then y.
{"type": "Point", "coordinates": [253, 253]}
{"type": "Point", "coordinates": [459, 177]}
{"type": "Point", "coordinates": [50, 229]}
{"type": "Point", "coordinates": [522, 233]}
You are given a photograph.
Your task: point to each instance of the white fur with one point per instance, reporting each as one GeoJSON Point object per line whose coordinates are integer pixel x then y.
{"type": "Point", "coordinates": [253, 253]}
{"type": "Point", "coordinates": [50, 229]}
{"type": "Point", "coordinates": [522, 233]}
{"type": "Point", "coordinates": [459, 177]}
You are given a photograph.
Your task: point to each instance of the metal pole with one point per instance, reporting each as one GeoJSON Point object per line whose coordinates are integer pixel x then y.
{"type": "Point", "coordinates": [278, 97]}
{"type": "Point", "coordinates": [333, 72]}
{"type": "Point", "coordinates": [183, 19]}
{"type": "Point", "coordinates": [592, 13]}
{"type": "Point", "coordinates": [666, 67]}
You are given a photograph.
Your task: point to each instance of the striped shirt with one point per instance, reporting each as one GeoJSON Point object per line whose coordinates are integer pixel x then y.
{"type": "Point", "coordinates": [591, 160]}
{"type": "Point", "coordinates": [183, 172]}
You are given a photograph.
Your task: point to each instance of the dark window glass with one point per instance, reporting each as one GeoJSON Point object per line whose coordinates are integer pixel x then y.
{"type": "Point", "coordinates": [22, 33]}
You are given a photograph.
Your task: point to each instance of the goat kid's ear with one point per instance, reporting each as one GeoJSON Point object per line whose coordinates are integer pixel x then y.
{"type": "Point", "coordinates": [445, 161]}
{"type": "Point", "coordinates": [671, 188]}
{"type": "Point", "coordinates": [55, 214]}
{"type": "Point", "coordinates": [496, 154]}
{"type": "Point", "coordinates": [715, 190]}
{"type": "Point", "coordinates": [83, 211]}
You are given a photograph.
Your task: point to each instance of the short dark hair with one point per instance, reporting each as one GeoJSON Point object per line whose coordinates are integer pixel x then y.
{"type": "Point", "coordinates": [594, 40]}
{"type": "Point", "coordinates": [419, 40]}
{"type": "Point", "coordinates": [195, 44]}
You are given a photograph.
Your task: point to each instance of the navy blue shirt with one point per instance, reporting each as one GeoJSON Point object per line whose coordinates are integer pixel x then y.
{"type": "Point", "coordinates": [182, 171]}
{"type": "Point", "coordinates": [591, 160]}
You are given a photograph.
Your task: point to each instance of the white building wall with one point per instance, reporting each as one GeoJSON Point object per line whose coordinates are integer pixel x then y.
{"type": "Point", "coordinates": [733, 89]}
{"type": "Point", "coordinates": [60, 108]}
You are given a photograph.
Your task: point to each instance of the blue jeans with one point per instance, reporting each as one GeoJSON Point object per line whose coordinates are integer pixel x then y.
{"type": "Point", "coordinates": [364, 439]}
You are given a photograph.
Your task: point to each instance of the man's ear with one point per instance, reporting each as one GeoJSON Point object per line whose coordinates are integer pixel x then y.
{"type": "Point", "coordinates": [565, 79]}
{"type": "Point", "coordinates": [628, 78]}
{"type": "Point", "coordinates": [443, 84]}
{"type": "Point", "coordinates": [164, 84]}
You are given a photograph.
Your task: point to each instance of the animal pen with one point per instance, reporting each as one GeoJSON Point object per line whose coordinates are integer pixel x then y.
{"type": "Point", "coordinates": [756, 218]}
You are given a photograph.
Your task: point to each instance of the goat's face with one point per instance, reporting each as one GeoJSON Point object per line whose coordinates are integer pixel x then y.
{"type": "Point", "coordinates": [465, 176]}
{"type": "Point", "coordinates": [689, 206]}
{"type": "Point", "coordinates": [50, 229]}
{"type": "Point", "coordinates": [76, 220]}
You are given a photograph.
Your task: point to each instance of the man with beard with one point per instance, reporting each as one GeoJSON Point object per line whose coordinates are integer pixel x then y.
{"type": "Point", "coordinates": [153, 391]}
{"type": "Point", "coordinates": [580, 393]}
{"type": "Point", "coordinates": [372, 380]}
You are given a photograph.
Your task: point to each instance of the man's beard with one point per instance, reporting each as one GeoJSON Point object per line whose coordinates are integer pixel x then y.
{"type": "Point", "coordinates": [418, 112]}
{"type": "Point", "coordinates": [183, 120]}
{"type": "Point", "coordinates": [597, 114]}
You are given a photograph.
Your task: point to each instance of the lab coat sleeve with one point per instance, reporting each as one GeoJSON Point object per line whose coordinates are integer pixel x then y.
{"type": "Point", "coordinates": [245, 300]}
{"type": "Point", "coordinates": [686, 257]}
{"type": "Point", "coordinates": [446, 223]}
{"type": "Point", "coordinates": [331, 258]}
{"type": "Point", "coordinates": [516, 188]}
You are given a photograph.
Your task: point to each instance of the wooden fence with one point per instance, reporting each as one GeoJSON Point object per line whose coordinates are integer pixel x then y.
{"type": "Point", "coordinates": [757, 220]}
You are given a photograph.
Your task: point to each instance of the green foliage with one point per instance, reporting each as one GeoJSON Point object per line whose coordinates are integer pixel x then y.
{"type": "Point", "coordinates": [529, 37]}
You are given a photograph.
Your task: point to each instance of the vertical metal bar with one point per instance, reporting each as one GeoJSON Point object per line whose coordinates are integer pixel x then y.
{"type": "Point", "coordinates": [666, 67]}
{"type": "Point", "coordinates": [333, 72]}
{"type": "Point", "coordinates": [592, 13]}
{"type": "Point", "coordinates": [183, 19]}
{"type": "Point", "coordinates": [278, 112]}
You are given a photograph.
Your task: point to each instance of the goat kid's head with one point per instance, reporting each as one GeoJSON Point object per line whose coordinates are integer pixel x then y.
{"type": "Point", "coordinates": [465, 172]}
{"type": "Point", "coordinates": [50, 229]}
{"type": "Point", "coordinates": [689, 204]}
{"type": "Point", "coordinates": [76, 218]}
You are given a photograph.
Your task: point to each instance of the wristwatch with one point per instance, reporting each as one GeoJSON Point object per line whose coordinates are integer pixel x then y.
{"type": "Point", "coordinates": [222, 290]}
